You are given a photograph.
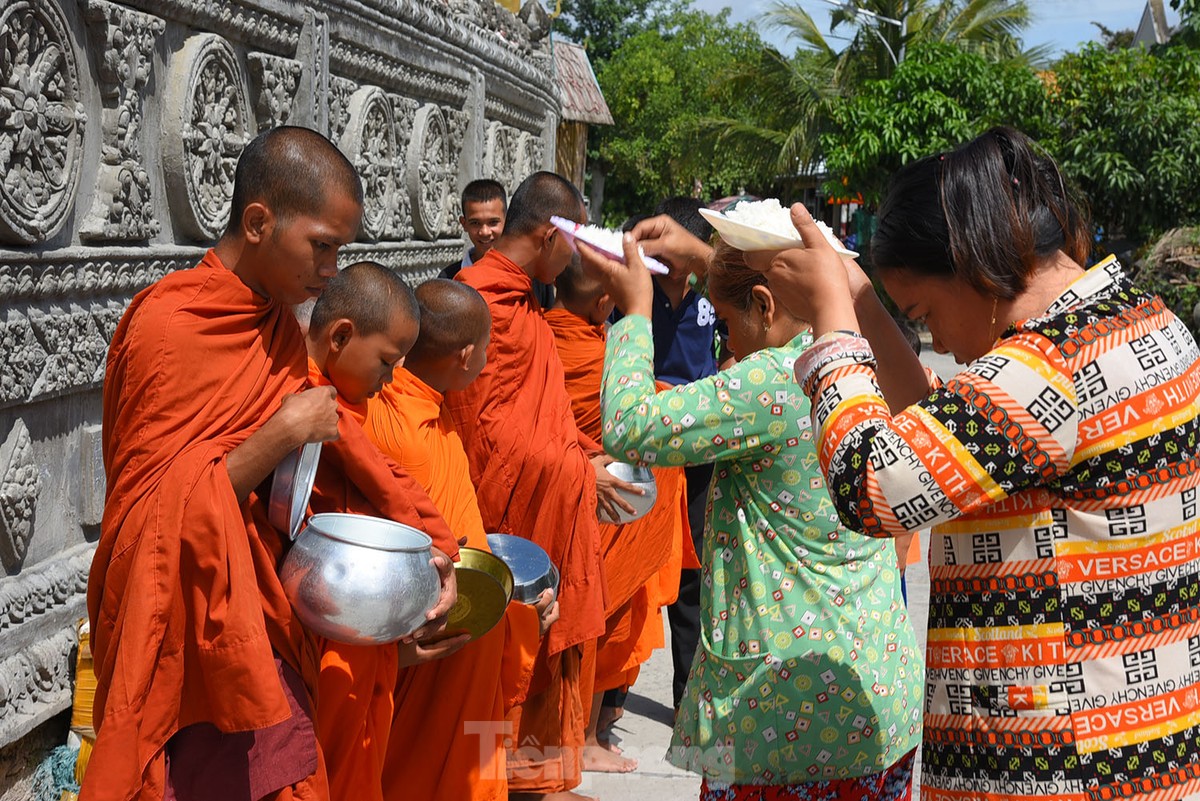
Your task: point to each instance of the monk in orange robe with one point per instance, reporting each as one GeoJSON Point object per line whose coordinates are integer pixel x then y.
{"type": "Point", "coordinates": [447, 740]}
{"type": "Point", "coordinates": [642, 559]}
{"type": "Point", "coordinates": [204, 675]}
{"type": "Point", "coordinates": [361, 329]}
{"type": "Point", "coordinates": [534, 477]}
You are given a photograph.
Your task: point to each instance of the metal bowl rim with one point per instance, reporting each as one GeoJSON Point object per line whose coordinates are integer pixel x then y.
{"type": "Point", "coordinates": [334, 525]}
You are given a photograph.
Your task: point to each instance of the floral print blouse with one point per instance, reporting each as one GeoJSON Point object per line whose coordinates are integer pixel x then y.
{"type": "Point", "coordinates": [807, 668]}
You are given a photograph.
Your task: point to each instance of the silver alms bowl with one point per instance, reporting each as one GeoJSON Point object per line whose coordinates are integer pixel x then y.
{"type": "Point", "coordinates": [640, 476]}
{"type": "Point", "coordinates": [360, 579]}
{"type": "Point", "coordinates": [531, 567]}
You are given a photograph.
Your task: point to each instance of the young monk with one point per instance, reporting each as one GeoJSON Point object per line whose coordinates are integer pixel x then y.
{"type": "Point", "coordinates": [642, 559]}
{"type": "Point", "coordinates": [534, 477]}
{"type": "Point", "coordinates": [447, 740]}
{"type": "Point", "coordinates": [202, 683]}
{"type": "Point", "coordinates": [361, 329]}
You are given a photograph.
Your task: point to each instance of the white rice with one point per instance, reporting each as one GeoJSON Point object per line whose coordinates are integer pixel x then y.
{"type": "Point", "coordinates": [768, 215]}
{"type": "Point", "coordinates": [602, 238]}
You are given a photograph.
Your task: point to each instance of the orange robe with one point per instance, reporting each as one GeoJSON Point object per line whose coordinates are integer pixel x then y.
{"type": "Point", "coordinates": [447, 740]}
{"type": "Point", "coordinates": [187, 612]}
{"type": "Point", "coordinates": [357, 682]}
{"type": "Point", "coordinates": [533, 479]}
{"type": "Point", "coordinates": [642, 559]}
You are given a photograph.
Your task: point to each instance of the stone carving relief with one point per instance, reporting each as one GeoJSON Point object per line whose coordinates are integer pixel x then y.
{"type": "Point", "coordinates": [205, 128]}
{"type": "Point", "coordinates": [44, 589]}
{"type": "Point", "coordinates": [369, 141]}
{"type": "Point", "coordinates": [122, 208]}
{"type": "Point", "coordinates": [404, 114]}
{"type": "Point", "coordinates": [35, 683]}
{"type": "Point", "coordinates": [456, 130]}
{"type": "Point", "coordinates": [500, 155]}
{"type": "Point", "coordinates": [60, 347]}
{"type": "Point", "coordinates": [426, 177]}
{"type": "Point", "coordinates": [19, 486]}
{"type": "Point", "coordinates": [313, 50]}
{"type": "Point", "coordinates": [340, 92]}
{"type": "Point", "coordinates": [528, 156]}
{"type": "Point", "coordinates": [41, 121]}
{"type": "Point", "coordinates": [275, 80]}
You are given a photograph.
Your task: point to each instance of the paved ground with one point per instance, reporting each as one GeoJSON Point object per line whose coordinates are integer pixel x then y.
{"type": "Point", "coordinates": [645, 731]}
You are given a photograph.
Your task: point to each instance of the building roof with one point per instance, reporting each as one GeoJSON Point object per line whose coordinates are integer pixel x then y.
{"type": "Point", "coordinates": [581, 96]}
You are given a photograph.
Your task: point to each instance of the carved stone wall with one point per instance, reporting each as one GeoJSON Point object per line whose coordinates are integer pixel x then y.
{"type": "Point", "coordinates": [120, 126]}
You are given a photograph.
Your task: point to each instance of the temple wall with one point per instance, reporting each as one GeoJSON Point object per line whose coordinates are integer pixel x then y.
{"type": "Point", "coordinates": [120, 125]}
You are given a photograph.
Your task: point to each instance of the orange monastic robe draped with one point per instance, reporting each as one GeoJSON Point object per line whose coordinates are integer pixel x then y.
{"type": "Point", "coordinates": [447, 740]}
{"type": "Point", "coordinates": [357, 682]}
{"type": "Point", "coordinates": [642, 559]}
{"type": "Point", "coordinates": [533, 479]}
{"type": "Point", "coordinates": [187, 612]}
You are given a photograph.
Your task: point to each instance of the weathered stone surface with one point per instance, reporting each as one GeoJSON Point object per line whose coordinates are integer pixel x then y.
{"type": "Point", "coordinates": [121, 122]}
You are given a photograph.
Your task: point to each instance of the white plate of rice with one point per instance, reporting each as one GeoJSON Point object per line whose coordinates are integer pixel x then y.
{"type": "Point", "coordinates": [765, 225]}
{"type": "Point", "coordinates": [610, 243]}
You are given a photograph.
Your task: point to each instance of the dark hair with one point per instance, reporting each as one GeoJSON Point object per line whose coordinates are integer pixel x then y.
{"type": "Point", "coordinates": [290, 169]}
{"type": "Point", "coordinates": [483, 190]}
{"type": "Point", "coordinates": [538, 198]}
{"type": "Point", "coordinates": [729, 279]}
{"type": "Point", "coordinates": [987, 213]}
{"type": "Point", "coordinates": [575, 285]}
{"type": "Point", "coordinates": [453, 315]}
{"type": "Point", "coordinates": [686, 211]}
{"type": "Point", "coordinates": [632, 220]}
{"type": "Point", "coordinates": [366, 293]}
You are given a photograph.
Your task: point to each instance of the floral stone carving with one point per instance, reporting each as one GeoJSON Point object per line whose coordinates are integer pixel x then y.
{"type": "Point", "coordinates": [41, 121]}
{"type": "Point", "coordinates": [205, 128]}
{"type": "Point", "coordinates": [456, 128]}
{"type": "Point", "coordinates": [427, 179]}
{"type": "Point", "coordinates": [529, 156]}
{"type": "Point", "coordinates": [121, 209]}
{"type": "Point", "coordinates": [19, 486]}
{"type": "Point", "coordinates": [275, 81]}
{"type": "Point", "coordinates": [500, 157]}
{"type": "Point", "coordinates": [369, 141]}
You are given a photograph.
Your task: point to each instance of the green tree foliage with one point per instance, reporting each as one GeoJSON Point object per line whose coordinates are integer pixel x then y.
{"type": "Point", "coordinates": [1127, 121]}
{"type": "Point", "coordinates": [939, 97]}
{"type": "Point", "coordinates": [602, 26]}
{"type": "Point", "coordinates": [784, 135]}
{"type": "Point", "coordinates": [659, 86]}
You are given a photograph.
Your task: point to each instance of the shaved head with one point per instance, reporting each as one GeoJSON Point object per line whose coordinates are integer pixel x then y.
{"type": "Point", "coordinates": [540, 197]}
{"type": "Point", "coordinates": [291, 171]}
{"type": "Point", "coordinates": [576, 287]}
{"type": "Point", "coordinates": [453, 316]}
{"type": "Point", "coordinates": [367, 294]}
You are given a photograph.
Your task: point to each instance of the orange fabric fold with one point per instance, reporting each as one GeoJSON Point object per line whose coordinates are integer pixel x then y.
{"type": "Point", "coordinates": [643, 558]}
{"type": "Point", "coordinates": [185, 604]}
{"type": "Point", "coordinates": [355, 701]}
{"type": "Point", "coordinates": [531, 476]}
{"type": "Point", "coordinates": [533, 479]}
{"type": "Point", "coordinates": [447, 738]}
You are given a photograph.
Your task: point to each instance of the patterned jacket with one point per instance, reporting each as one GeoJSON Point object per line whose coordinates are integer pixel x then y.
{"type": "Point", "coordinates": [1059, 472]}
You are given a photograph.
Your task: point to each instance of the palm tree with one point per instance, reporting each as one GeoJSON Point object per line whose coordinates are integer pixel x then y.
{"type": "Point", "coordinates": [795, 92]}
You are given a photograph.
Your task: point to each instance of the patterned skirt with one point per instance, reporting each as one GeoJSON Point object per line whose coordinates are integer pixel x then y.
{"type": "Point", "coordinates": [894, 784]}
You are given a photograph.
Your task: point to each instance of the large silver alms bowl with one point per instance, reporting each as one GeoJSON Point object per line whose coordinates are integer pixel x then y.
{"type": "Point", "coordinates": [359, 579]}
{"type": "Point", "coordinates": [639, 476]}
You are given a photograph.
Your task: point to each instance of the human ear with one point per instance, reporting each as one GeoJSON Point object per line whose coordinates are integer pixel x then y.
{"type": "Point", "coordinates": [340, 334]}
{"type": "Point", "coordinates": [464, 356]}
{"type": "Point", "coordinates": [257, 223]}
{"type": "Point", "coordinates": [762, 300]}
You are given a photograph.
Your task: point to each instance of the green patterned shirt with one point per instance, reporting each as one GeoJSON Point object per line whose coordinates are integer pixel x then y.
{"type": "Point", "coordinates": [807, 667]}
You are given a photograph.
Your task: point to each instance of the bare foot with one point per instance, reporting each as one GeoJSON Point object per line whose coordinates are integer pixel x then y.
{"type": "Point", "coordinates": [598, 759]}
{"type": "Point", "coordinates": [608, 745]}
{"type": "Point", "coordinates": [563, 796]}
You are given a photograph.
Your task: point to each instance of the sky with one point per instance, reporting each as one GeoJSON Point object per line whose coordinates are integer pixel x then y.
{"type": "Point", "coordinates": [1062, 24]}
